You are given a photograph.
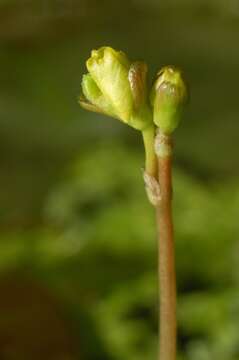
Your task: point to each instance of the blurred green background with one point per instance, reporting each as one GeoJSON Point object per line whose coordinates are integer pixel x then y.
{"type": "Point", "coordinates": [78, 259]}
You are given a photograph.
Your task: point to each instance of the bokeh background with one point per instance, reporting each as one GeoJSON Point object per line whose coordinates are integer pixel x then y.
{"type": "Point", "coordinates": [77, 239]}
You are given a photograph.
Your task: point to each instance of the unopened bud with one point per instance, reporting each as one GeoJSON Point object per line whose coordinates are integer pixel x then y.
{"type": "Point", "coordinates": [168, 97]}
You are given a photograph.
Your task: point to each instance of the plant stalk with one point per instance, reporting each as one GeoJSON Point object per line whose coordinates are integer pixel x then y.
{"type": "Point", "coordinates": [167, 276]}
{"type": "Point", "coordinates": [150, 156]}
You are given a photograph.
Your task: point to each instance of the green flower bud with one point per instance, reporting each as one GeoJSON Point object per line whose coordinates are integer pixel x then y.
{"type": "Point", "coordinates": [109, 69]}
{"type": "Point", "coordinates": [168, 97]}
{"type": "Point", "coordinates": [117, 88]}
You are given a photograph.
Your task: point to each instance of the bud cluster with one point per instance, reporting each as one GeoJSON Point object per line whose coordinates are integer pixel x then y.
{"type": "Point", "coordinates": [116, 87]}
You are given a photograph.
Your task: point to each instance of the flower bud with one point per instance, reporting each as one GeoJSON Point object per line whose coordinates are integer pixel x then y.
{"type": "Point", "coordinates": [117, 88]}
{"type": "Point", "coordinates": [168, 97]}
{"type": "Point", "coordinates": [109, 69]}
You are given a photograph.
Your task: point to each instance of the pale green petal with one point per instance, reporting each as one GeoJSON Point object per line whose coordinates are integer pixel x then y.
{"type": "Point", "coordinates": [120, 55]}
{"type": "Point", "coordinates": [89, 88]}
{"type": "Point", "coordinates": [95, 97]}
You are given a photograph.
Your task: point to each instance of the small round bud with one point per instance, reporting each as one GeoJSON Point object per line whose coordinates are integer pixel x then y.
{"type": "Point", "coordinates": [168, 97]}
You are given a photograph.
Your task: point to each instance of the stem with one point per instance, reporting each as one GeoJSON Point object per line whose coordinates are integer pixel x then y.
{"type": "Point", "coordinates": [150, 157]}
{"type": "Point", "coordinates": [167, 277]}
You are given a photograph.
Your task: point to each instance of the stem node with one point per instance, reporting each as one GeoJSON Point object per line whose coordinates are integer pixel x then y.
{"type": "Point", "coordinates": [163, 145]}
{"type": "Point", "coordinates": [152, 189]}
